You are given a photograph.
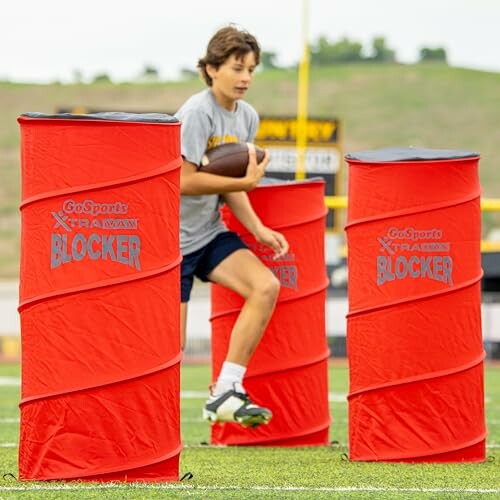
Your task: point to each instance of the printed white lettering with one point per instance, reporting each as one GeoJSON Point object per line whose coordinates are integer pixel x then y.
{"type": "Point", "coordinates": [436, 267]}
{"type": "Point", "coordinates": [94, 208]}
{"type": "Point", "coordinates": [123, 248]}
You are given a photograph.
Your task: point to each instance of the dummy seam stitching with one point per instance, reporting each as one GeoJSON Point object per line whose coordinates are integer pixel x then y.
{"type": "Point", "coordinates": [168, 167]}
{"type": "Point", "coordinates": [298, 223]}
{"type": "Point", "coordinates": [284, 437]}
{"type": "Point", "coordinates": [414, 210]}
{"type": "Point", "coordinates": [415, 298]}
{"type": "Point", "coordinates": [439, 451]}
{"type": "Point", "coordinates": [165, 366]}
{"type": "Point", "coordinates": [101, 284]}
{"type": "Point", "coordinates": [167, 456]}
{"type": "Point", "coordinates": [313, 361]}
{"type": "Point", "coordinates": [418, 378]}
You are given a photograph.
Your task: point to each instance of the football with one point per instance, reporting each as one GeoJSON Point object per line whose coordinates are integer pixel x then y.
{"type": "Point", "coordinates": [230, 159]}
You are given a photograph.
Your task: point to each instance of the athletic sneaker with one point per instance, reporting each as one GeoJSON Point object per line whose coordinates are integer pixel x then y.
{"type": "Point", "coordinates": [234, 405]}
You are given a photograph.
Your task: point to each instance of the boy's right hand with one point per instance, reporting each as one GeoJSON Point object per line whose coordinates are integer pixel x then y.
{"type": "Point", "coordinates": [255, 171]}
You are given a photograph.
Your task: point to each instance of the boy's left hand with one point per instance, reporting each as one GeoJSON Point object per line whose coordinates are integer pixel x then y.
{"type": "Point", "coordinates": [272, 239]}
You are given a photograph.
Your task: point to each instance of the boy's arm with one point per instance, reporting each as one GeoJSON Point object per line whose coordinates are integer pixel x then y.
{"type": "Point", "coordinates": [241, 207]}
{"type": "Point", "coordinates": [194, 182]}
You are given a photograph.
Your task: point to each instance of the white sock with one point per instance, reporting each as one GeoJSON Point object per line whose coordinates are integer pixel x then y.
{"type": "Point", "coordinates": [230, 373]}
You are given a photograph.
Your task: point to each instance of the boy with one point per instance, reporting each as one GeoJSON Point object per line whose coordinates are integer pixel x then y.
{"type": "Point", "coordinates": [211, 252]}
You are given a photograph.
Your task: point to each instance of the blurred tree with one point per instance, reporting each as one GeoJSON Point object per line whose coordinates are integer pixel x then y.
{"type": "Point", "coordinates": [324, 53]}
{"type": "Point", "coordinates": [149, 74]}
{"type": "Point", "coordinates": [101, 78]}
{"type": "Point", "coordinates": [268, 60]}
{"type": "Point", "coordinates": [382, 53]}
{"type": "Point", "coordinates": [438, 54]}
{"type": "Point", "coordinates": [188, 74]}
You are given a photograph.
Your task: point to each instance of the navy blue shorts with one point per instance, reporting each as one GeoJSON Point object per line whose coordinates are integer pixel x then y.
{"type": "Point", "coordinates": [202, 262]}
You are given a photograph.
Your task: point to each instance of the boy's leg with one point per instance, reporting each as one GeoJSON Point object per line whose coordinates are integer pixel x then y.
{"type": "Point", "coordinates": [184, 309]}
{"type": "Point", "coordinates": [243, 273]}
{"type": "Point", "coordinates": [188, 266]}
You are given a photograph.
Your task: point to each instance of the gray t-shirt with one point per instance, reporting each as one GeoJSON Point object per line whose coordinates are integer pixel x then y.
{"type": "Point", "coordinates": [204, 125]}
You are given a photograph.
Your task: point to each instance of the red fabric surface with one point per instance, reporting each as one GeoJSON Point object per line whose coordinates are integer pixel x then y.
{"type": "Point", "coordinates": [288, 372]}
{"type": "Point", "coordinates": [99, 300]}
{"type": "Point", "coordinates": [414, 324]}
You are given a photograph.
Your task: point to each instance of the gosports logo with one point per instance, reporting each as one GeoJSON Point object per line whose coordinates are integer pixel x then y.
{"type": "Point", "coordinates": [69, 246]}
{"type": "Point", "coordinates": [405, 254]}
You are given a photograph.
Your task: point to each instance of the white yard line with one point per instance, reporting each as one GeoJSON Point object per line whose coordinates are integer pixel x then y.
{"type": "Point", "coordinates": [10, 381]}
{"type": "Point", "coordinates": [187, 487]}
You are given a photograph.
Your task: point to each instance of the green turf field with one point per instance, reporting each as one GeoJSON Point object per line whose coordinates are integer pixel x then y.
{"type": "Point", "coordinates": [320, 472]}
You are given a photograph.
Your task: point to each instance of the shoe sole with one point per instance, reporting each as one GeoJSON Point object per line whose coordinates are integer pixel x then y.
{"type": "Point", "coordinates": [249, 421]}
{"type": "Point", "coordinates": [255, 420]}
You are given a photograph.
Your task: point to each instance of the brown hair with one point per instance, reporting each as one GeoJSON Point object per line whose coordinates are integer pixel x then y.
{"type": "Point", "coordinates": [226, 42]}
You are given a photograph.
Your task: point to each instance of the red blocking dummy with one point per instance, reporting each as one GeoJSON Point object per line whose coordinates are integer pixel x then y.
{"type": "Point", "coordinates": [414, 324]}
{"type": "Point", "coordinates": [288, 372]}
{"type": "Point", "coordinates": [99, 297]}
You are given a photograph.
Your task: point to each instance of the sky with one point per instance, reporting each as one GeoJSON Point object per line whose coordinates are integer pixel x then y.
{"type": "Point", "coordinates": [47, 40]}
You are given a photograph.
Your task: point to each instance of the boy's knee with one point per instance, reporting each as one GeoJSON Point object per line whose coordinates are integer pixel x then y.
{"type": "Point", "coordinates": [270, 287]}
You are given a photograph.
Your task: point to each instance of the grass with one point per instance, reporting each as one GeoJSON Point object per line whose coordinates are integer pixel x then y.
{"type": "Point", "coordinates": [243, 472]}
